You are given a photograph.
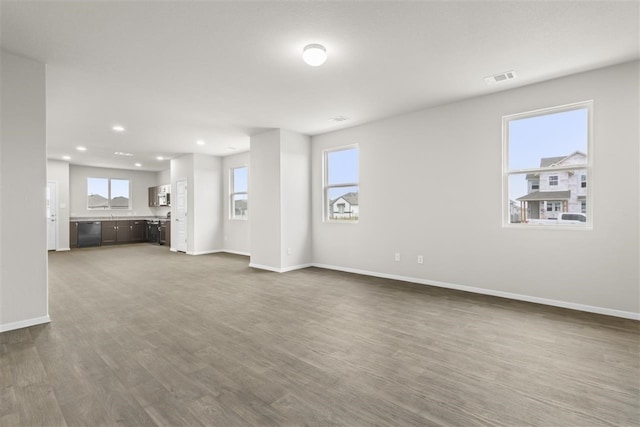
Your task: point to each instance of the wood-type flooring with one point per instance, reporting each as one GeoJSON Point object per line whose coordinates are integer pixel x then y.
{"type": "Point", "coordinates": [141, 336]}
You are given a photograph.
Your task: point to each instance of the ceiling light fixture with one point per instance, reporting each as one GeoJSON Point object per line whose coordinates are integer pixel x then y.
{"type": "Point", "coordinates": [137, 165]}
{"type": "Point", "coordinates": [314, 54]}
{"type": "Point", "coordinates": [117, 128]}
{"type": "Point", "coordinates": [160, 158]}
{"type": "Point", "coordinates": [200, 142]}
{"type": "Point", "coordinates": [122, 153]}
{"type": "Point", "coordinates": [81, 148]}
{"type": "Point", "coordinates": [66, 157]}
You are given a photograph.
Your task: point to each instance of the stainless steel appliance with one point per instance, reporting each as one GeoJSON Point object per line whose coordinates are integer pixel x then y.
{"type": "Point", "coordinates": [89, 233]}
{"type": "Point", "coordinates": [153, 231]}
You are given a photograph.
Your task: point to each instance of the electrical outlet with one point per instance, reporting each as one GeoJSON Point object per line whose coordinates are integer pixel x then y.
{"type": "Point", "coordinates": [397, 256]}
{"type": "Point", "coordinates": [420, 259]}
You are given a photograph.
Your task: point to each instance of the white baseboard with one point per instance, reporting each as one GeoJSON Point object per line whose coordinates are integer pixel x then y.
{"type": "Point", "coordinates": [63, 249]}
{"type": "Point", "coordinates": [236, 252]}
{"type": "Point", "coordinates": [214, 251]}
{"type": "Point", "coordinates": [24, 323]}
{"type": "Point", "coordinates": [280, 270]}
{"type": "Point", "coordinates": [483, 291]}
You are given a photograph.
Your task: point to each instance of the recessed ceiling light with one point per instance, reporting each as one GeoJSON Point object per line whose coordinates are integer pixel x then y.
{"type": "Point", "coordinates": [122, 153]}
{"type": "Point", "coordinates": [138, 164]}
{"type": "Point", "coordinates": [499, 78]}
{"type": "Point", "coordinates": [66, 157]}
{"type": "Point", "coordinates": [117, 128]}
{"type": "Point", "coordinates": [314, 54]}
{"type": "Point", "coordinates": [200, 142]}
{"type": "Point", "coordinates": [160, 158]}
{"type": "Point", "coordinates": [81, 148]}
{"type": "Point", "coordinates": [339, 119]}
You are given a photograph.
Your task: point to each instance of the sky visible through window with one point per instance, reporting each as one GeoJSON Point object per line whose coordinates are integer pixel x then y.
{"type": "Point", "coordinates": [342, 167]}
{"type": "Point", "coordinates": [549, 135]}
{"type": "Point", "coordinates": [119, 188]}
{"type": "Point", "coordinates": [240, 184]}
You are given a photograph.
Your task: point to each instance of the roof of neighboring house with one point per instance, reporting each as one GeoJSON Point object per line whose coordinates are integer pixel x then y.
{"type": "Point", "coordinates": [351, 198]}
{"type": "Point", "coordinates": [545, 195]}
{"type": "Point", "coordinates": [550, 161]}
{"type": "Point", "coordinates": [97, 201]}
{"type": "Point", "coordinates": [120, 202]}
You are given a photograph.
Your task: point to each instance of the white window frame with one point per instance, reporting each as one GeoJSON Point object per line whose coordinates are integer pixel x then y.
{"type": "Point", "coordinates": [554, 180]}
{"type": "Point", "coordinates": [109, 207]}
{"type": "Point", "coordinates": [232, 193]}
{"type": "Point", "coordinates": [506, 172]}
{"type": "Point", "coordinates": [326, 187]}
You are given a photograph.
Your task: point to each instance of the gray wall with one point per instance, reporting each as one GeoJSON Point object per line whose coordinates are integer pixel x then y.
{"type": "Point", "coordinates": [23, 181]}
{"type": "Point", "coordinates": [236, 231]}
{"type": "Point", "coordinates": [445, 164]}
{"type": "Point", "coordinates": [140, 183]}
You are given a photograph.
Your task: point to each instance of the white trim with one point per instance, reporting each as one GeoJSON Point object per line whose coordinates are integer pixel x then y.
{"type": "Point", "coordinates": [213, 251]}
{"type": "Point", "coordinates": [229, 251]}
{"type": "Point", "coordinates": [24, 323]}
{"type": "Point", "coordinates": [63, 249]}
{"type": "Point", "coordinates": [483, 291]}
{"type": "Point", "coordinates": [280, 270]}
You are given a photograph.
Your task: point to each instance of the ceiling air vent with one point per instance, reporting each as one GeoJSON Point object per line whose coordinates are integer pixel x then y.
{"type": "Point", "coordinates": [338, 119]}
{"type": "Point", "coordinates": [499, 78]}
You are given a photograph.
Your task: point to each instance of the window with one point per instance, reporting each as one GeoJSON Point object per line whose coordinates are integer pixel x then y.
{"type": "Point", "coordinates": [546, 161]}
{"type": "Point", "coordinates": [341, 184]}
{"type": "Point", "coordinates": [238, 186]}
{"type": "Point", "coordinates": [108, 193]}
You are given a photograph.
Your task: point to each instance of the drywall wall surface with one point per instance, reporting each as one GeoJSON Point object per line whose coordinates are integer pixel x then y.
{"type": "Point", "coordinates": [431, 185]}
{"type": "Point", "coordinates": [235, 231]}
{"type": "Point", "coordinates": [265, 211]}
{"type": "Point", "coordinates": [23, 174]}
{"type": "Point", "coordinates": [182, 168]}
{"type": "Point", "coordinates": [295, 170]}
{"type": "Point", "coordinates": [58, 172]}
{"type": "Point", "coordinates": [207, 213]}
{"type": "Point", "coordinates": [140, 182]}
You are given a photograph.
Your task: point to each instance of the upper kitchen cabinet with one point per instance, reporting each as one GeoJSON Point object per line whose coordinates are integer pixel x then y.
{"type": "Point", "coordinates": [160, 196]}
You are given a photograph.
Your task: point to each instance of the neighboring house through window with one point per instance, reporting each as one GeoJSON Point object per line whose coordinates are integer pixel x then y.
{"type": "Point", "coordinates": [341, 184]}
{"type": "Point", "coordinates": [239, 196]}
{"type": "Point", "coordinates": [546, 164]}
{"type": "Point", "coordinates": [108, 193]}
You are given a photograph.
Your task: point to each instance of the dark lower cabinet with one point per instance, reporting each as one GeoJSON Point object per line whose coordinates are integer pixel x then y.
{"type": "Point", "coordinates": [116, 232]}
{"type": "Point", "coordinates": [137, 231]}
{"type": "Point", "coordinates": [73, 234]}
{"type": "Point", "coordinates": [165, 232]}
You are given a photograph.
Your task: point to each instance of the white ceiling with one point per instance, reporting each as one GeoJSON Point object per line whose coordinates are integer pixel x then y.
{"type": "Point", "coordinates": [175, 72]}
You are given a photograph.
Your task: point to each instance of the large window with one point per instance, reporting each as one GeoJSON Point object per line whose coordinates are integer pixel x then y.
{"type": "Point", "coordinates": [238, 190]}
{"type": "Point", "coordinates": [546, 161]}
{"type": "Point", "coordinates": [108, 193]}
{"type": "Point", "coordinates": [341, 184]}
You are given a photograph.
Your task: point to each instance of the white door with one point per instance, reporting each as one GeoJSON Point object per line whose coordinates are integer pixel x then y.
{"type": "Point", "coordinates": [52, 216]}
{"type": "Point", "coordinates": [181, 217]}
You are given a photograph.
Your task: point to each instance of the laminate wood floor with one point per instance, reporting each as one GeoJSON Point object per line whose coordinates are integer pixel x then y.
{"type": "Point", "coordinates": [142, 336]}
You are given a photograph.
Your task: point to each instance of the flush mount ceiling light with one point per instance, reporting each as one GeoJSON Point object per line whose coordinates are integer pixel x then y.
{"type": "Point", "coordinates": [66, 157]}
{"type": "Point", "coordinates": [81, 148]}
{"type": "Point", "coordinates": [138, 165]}
{"type": "Point", "coordinates": [117, 128]}
{"type": "Point", "coordinates": [160, 158]}
{"type": "Point", "coordinates": [314, 54]}
{"type": "Point", "coordinates": [200, 142]}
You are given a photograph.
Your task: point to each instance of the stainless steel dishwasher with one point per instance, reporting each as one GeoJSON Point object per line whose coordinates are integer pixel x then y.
{"type": "Point", "coordinates": [89, 233]}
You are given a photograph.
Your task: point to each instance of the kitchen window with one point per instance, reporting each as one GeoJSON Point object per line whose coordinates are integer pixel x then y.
{"type": "Point", "coordinates": [238, 193]}
{"type": "Point", "coordinates": [108, 193]}
{"type": "Point", "coordinates": [547, 156]}
{"type": "Point", "coordinates": [341, 184]}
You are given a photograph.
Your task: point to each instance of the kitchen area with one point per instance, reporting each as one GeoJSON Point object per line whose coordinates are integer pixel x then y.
{"type": "Point", "coordinates": [114, 229]}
